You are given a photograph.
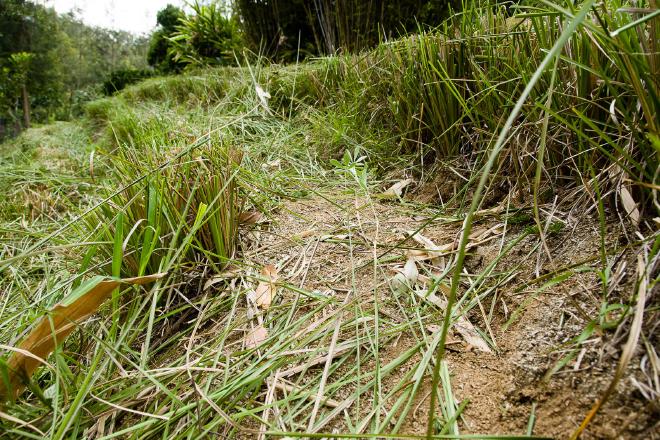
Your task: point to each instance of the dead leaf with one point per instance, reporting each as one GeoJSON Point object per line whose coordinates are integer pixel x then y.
{"type": "Point", "coordinates": [461, 324]}
{"type": "Point", "coordinates": [304, 234]}
{"type": "Point", "coordinates": [256, 336]}
{"type": "Point", "coordinates": [249, 217]}
{"type": "Point", "coordinates": [251, 299]}
{"type": "Point", "coordinates": [433, 328]}
{"type": "Point", "coordinates": [405, 278]}
{"type": "Point", "coordinates": [273, 164]}
{"type": "Point", "coordinates": [64, 318]}
{"type": "Point", "coordinates": [337, 237]}
{"type": "Point", "coordinates": [629, 204]}
{"type": "Point", "coordinates": [470, 334]}
{"type": "Point", "coordinates": [265, 291]}
{"type": "Point", "coordinates": [263, 96]}
{"type": "Point", "coordinates": [410, 271]}
{"type": "Point", "coordinates": [21, 423]}
{"type": "Point", "coordinates": [97, 430]}
{"type": "Point", "coordinates": [482, 234]}
{"type": "Point", "coordinates": [396, 190]}
{"type": "Point", "coordinates": [432, 298]}
{"type": "Point", "coordinates": [229, 273]}
{"type": "Point", "coordinates": [431, 251]}
{"type": "Point", "coordinates": [618, 177]}
{"type": "Point", "coordinates": [91, 164]}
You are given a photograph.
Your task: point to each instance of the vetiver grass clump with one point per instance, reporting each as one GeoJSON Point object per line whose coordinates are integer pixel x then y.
{"type": "Point", "coordinates": [593, 111]}
{"type": "Point", "coordinates": [201, 89]}
{"type": "Point", "coordinates": [182, 204]}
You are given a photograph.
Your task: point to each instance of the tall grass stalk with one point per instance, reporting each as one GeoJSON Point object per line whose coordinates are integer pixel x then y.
{"type": "Point", "coordinates": [476, 200]}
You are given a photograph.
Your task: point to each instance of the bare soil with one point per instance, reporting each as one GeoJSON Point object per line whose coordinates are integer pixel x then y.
{"type": "Point", "coordinates": [308, 239]}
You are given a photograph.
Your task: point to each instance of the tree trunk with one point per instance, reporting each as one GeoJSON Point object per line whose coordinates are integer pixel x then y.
{"type": "Point", "coordinates": [26, 107]}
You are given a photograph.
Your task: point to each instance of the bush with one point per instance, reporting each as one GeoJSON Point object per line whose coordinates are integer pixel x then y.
{"type": "Point", "coordinates": [198, 90]}
{"type": "Point", "coordinates": [160, 55]}
{"type": "Point", "coordinates": [277, 28]}
{"type": "Point", "coordinates": [208, 37]}
{"type": "Point", "coordinates": [102, 110]}
{"type": "Point", "coordinates": [119, 79]}
{"type": "Point", "coordinates": [189, 208]}
{"type": "Point", "coordinates": [450, 90]}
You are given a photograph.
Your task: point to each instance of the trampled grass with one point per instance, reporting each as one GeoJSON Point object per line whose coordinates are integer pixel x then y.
{"type": "Point", "coordinates": [546, 116]}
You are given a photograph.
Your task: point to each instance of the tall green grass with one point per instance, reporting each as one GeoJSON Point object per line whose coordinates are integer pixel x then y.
{"type": "Point", "coordinates": [452, 89]}
{"type": "Point", "coordinates": [195, 196]}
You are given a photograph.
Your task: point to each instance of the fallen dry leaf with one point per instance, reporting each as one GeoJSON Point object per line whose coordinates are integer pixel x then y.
{"type": "Point", "coordinates": [91, 164]}
{"type": "Point", "coordinates": [256, 336]}
{"type": "Point", "coordinates": [405, 278]}
{"type": "Point", "coordinates": [273, 164]}
{"type": "Point", "coordinates": [263, 96]}
{"type": "Point", "coordinates": [431, 251]}
{"type": "Point", "coordinates": [617, 176]}
{"type": "Point", "coordinates": [396, 190]}
{"type": "Point", "coordinates": [470, 334]}
{"type": "Point", "coordinates": [265, 291]}
{"type": "Point", "coordinates": [461, 324]}
{"type": "Point", "coordinates": [304, 234]}
{"type": "Point", "coordinates": [482, 234]}
{"type": "Point", "coordinates": [249, 217]}
{"type": "Point", "coordinates": [433, 328]}
{"type": "Point", "coordinates": [338, 237]}
{"type": "Point", "coordinates": [629, 204]}
{"type": "Point", "coordinates": [410, 271]}
{"type": "Point", "coordinates": [64, 318]}
{"type": "Point", "coordinates": [228, 273]}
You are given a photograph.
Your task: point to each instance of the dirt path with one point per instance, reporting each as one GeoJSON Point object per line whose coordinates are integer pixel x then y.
{"type": "Point", "coordinates": [327, 244]}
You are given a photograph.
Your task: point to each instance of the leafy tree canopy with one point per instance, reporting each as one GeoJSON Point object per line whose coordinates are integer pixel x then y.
{"type": "Point", "coordinates": [160, 54]}
{"type": "Point", "coordinates": [46, 58]}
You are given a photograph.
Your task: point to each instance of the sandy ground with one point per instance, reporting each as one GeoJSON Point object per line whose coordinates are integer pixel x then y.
{"type": "Point", "coordinates": [306, 240]}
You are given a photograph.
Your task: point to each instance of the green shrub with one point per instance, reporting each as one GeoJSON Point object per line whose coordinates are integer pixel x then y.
{"type": "Point", "coordinates": [102, 110]}
{"type": "Point", "coordinates": [208, 37]}
{"type": "Point", "coordinates": [451, 89]}
{"type": "Point", "coordinates": [119, 79]}
{"type": "Point", "coordinates": [160, 55]}
{"type": "Point", "coordinates": [80, 98]}
{"type": "Point", "coordinates": [196, 89]}
{"type": "Point", "coordinates": [310, 84]}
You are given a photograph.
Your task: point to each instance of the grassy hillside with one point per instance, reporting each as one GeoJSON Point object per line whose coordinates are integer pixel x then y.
{"type": "Point", "coordinates": [309, 226]}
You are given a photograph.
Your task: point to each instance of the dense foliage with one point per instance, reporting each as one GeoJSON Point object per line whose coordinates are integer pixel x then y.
{"type": "Point", "coordinates": [160, 55]}
{"type": "Point", "coordinates": [209, 36]}
{"type": "Point", "coordinates": [50, 63]}
{"type": "Point", "coordinates": [525, 146]}
{"type": "Point", "coordinates": [48, 60]}
{"type": "Point", "coordinates": [119, 79]}
{"type": "Point", "coordinates": [278, 27]}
